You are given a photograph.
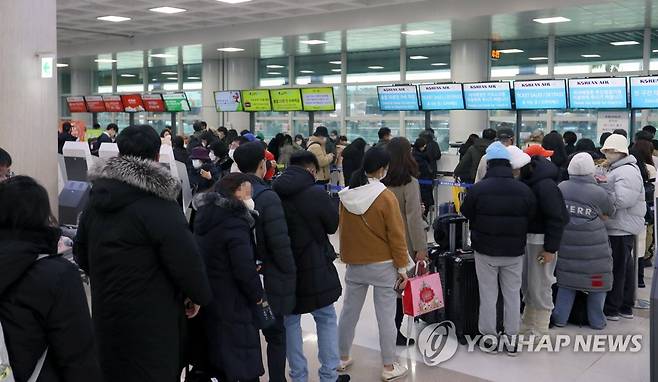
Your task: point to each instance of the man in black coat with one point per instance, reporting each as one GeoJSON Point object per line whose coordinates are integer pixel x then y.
{"type": "Point", "coordinates": [65, 136]}
{"type": "Point", "coordinates": [107, 137]}
{"type": "Point", "coordinates": [143, 262]}
{"type": "Point", "coordinates": [273, 251]}
{"type": "Point", "coordinates": [311, 217]}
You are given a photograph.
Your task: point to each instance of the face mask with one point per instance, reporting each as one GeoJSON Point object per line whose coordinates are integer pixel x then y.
{"type": "Point", "coordinates": [612, 157]}
{"type": "Point", "coordinates": [230, 153]}
{"type": "Point", "coordinates": [212, 156]}
{"type": "Point", "coordinates": [196, 163]}
{"type": "Point", "coordinates": [250, 204]}
{"type": "Point", "coordinates": [299, 142]}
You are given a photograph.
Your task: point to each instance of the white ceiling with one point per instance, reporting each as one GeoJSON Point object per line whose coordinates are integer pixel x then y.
{"type": "Point", "coordinates": [76, 19]}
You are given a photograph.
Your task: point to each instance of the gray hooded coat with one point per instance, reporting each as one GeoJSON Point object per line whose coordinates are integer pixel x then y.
{"type": "Point", "coordinates": [585, 258]}
{"type": "Point", "coordinates": [626, 187]}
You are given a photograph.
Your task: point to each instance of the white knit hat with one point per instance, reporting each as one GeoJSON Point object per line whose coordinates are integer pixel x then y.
{"type": "Point", "coordinates": [616, 142]}
{"type": "Point", "coordinates": [582, 164]}
{"type": "Point", "coordinates": [518, 157]}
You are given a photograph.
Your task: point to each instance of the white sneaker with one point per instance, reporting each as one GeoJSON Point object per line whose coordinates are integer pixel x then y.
{"type": "Point", "coordinates": [628, 316]}
{"type": "Point", "coordinates": [398, 372]}
{"type": "Point", "coordinates": [344, 365]}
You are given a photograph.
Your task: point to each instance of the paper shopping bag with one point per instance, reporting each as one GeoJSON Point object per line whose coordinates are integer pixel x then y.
{"type": "Point", "coordinates": [423, 294]}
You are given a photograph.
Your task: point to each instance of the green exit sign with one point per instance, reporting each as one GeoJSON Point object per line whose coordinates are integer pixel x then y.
{"type": "Point", "coordinates": [47, 67]}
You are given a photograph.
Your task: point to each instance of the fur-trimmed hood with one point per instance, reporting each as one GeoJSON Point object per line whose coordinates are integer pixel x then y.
{"type": "Point", "coordinates": [226, 206]}
{"type": "Point", "coordinates": [144, 174]}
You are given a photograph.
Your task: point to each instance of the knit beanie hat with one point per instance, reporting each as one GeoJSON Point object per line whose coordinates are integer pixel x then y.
{"type": "Point", "coordinates": [518, 157]}
{"type": "Point", "coordinates": [497, 150]}
{"type": "Point", "coordinates": [581, 164]}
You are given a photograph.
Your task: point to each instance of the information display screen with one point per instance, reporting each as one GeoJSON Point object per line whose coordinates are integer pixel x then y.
{"type": "Point", "coordinates": [488, 96]}
{"type": "Point", "coordinates": [176, 102]}
{"type": "Point", "coordinates": [398, 98]}
{"type": "Point", "coordinates": [76, 104]}
{"type": "Point", "coordinates": [113, 103]}
{"type": "Point", "coordinates": [95, 104]}
{"type": "Point", "coordinates": [318, 99]}
{"type": "Point", "coordinates": [228, 101]}
{"type": "Point", "coordinates": [441, 97]}
{"type": "Point", "coordinates": [132, 103]}
{"type": "Point", "coordinates": [286, 100]}
{"type": "Point", "coordinates": [598, 93]}
{"type": "Point", "coordinates": [153, 103]}
{"type": "Point", "coordinates": [644, 92]}
{"type": "Point", "coordinates": [256, 100]}
{"type": "Point", "coordinates": [543, 94]}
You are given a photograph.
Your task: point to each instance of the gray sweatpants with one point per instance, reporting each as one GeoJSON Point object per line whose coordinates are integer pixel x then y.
{"type": "Point", "coordinates": [537, 279]}
{"type": "Point", "coordinates": [358, 278]}
{"type": "Point", "coordinates": [490, 271]}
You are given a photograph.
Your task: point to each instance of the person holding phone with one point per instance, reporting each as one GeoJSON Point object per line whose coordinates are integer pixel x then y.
{"type": "Point", "coordinates": [203, 174]}
{"type": "Point", "coordinates": [374, 247]}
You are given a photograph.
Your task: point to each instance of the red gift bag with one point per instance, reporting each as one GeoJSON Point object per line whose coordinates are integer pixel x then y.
{"type": "Point", "coordinates": [423, 293]}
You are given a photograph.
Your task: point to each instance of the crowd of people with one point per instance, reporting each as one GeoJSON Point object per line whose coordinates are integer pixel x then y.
{"type": "Point", "coordinates": [168, 294]}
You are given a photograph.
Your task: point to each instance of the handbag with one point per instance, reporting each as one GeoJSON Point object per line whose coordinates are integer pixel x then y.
{"type": "Point", "coordinates": [263, 315]}
{"type": "Point", "coordinates": [423, 293]}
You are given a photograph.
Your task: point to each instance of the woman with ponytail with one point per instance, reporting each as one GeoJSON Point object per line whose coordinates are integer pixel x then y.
{"type": "Point", "coordinates": [373, 245]}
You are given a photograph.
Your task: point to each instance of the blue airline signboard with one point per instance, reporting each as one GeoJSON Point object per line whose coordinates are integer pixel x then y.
{"type": "Point", "coordinates": [543, 94]}
{"type": "Point", "coordinates": [644, 92]}
{"type": "Point", "coordinates": [488, 96]}
{"type": "Point", "coordinates": [398, 98]}
{"type": "Point", "coordinates": [598, 93]}
{"type": "Point", "coordinates": [442, 97]}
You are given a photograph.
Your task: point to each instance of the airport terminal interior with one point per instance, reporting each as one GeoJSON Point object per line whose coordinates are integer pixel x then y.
{"type": "Point", "coordinates": [355, 67]}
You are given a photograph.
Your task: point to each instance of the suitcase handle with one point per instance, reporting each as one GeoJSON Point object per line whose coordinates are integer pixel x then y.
{"type": "Point", "coordinates": [452, 239]}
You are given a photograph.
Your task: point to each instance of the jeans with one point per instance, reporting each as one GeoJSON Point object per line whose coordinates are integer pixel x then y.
{"type": "Point", "coordinates": [564, 303]}
{"type": "Point", "coordinates": [326, 325]}
{"type": "Point", "coordinates": [492, 270]}
{"type": "Point", "coordinates": [620, 299]}
{"type": "Point", "coordinates": [275, 336]}
{"type": "Point", "coordinates": [358, 278]}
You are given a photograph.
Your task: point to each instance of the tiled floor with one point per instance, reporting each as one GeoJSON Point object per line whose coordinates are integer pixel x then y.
{"type": "Point", "coordinates": [477, 366]}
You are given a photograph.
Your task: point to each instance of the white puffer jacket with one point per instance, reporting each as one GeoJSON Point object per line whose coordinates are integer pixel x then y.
{"type": "Point", "coordinates": [626, 188]}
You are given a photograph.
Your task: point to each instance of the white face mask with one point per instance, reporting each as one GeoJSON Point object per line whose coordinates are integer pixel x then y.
{"type": "Point", "coordinates": [230, 153]}
{"type": "Point", "coordinates": [212, 156]}
{"type": "Point", "coordinates": [250, 204]}
{"type": "Point", "coordinates": [196, 163]}
{"type": "Point", "coordinates": [384, 174]}
{"type": "Point", "coordinates": [613, 157]}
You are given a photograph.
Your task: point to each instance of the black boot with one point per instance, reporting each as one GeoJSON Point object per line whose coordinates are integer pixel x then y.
{"type": "Point", "coordinates": [343, 378]}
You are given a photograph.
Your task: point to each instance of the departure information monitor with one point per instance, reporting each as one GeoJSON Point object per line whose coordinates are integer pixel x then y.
{"type": "Point", "coordinates": [132, 103]}
{"type": "Point", "coordinates": [441, 97]}
{"type": "Point", "coordinates": [543, 94]}
{"type": "Point", "coordinates": [76, 104]}
{"type": "Point", "coordinates": [176, 102]}
{"type": "Point", "coordinates": [113, 103]}
{"type": "Point", "coordinates": [228, 101]}
{"type": "Point", "coordinates": [488, 96]}
{"type": "Point", "coordinates": [286, 100]}
{"type": "Point", "coordinates": [95, 104]}
{"type": "Point", "coordinates": [318, 99]}
{"type": "Point", "coordinates": [398, 98]}
{"type": "Point", "coordinates": [644, 92]}
{"type": "Point", "coordinates": [153, 103]}
{"type": "Point", "coordinates": [598, 93]}
{"type": "Point", "coordinates": [256, 100]}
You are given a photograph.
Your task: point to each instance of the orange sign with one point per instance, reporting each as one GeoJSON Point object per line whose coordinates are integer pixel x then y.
{"type": "Point", "coordinates": [495, 54]}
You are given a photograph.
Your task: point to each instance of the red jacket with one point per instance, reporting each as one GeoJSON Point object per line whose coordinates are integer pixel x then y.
{"type": "Point", "coordinates": [270, 172]}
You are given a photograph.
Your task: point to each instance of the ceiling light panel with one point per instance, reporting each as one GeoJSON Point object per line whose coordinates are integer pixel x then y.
{"type": "Point", "coordinates": [234, 1]}
{"type": "Point", "coordinates": [230, 50]}
{"type": "Point", "coordinates": [551, 20]}
{"type": "Point", "coordinates": [375, 67]}
{"type": "Point", "coordinates": [419, 32]}
{"type": "Point", "coordinates": [624, 43]}
{"type": "Point", "coordinates": [590, 55]}
{"type": "Point", "coordinates": [114, 19]}
{"type": "Point", "coordinates": [275, 66]}
{"type": "Point", "coordinates": [168, 10]}
{"type": "Point", "coordinates": [418, 58]}
{"type": "Point", "coordinates": [537, 58]}
{"type": "Point", "coordinates": [314, 42]}
{"type": "Point", "coordinates": [510, 51]}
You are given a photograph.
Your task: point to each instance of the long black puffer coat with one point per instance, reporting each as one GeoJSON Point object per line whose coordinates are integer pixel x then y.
{"type": "Point", "coordinates": [43, 304]}
{"type": "Point", "coordinates": [223, 229]}
{"type": "Point", "coordinates": [143, 262]}
{"type": "Point", "coordinates": [311, 216]}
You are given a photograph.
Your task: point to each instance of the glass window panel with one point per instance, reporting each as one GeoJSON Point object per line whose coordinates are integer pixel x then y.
{"type": "Point", "coordinates": [130, 72]}
{"type": "Point", "coordinates": [436, 65]}
{"type": "Point", "coordinates": [362, 101]}
{"type": "Point", "coordinates": [318, 69]}
{"type": "Point", "coordinates": [531, 60]}
{"type": "Point", "coordinates": [373, 66]}
{"type": "Point", "coordinates": [367, 129]}
{"type": "Point", "coordinates": [595, 53]}
{"type": "Point", "coordinates": [163, 69]}
{"type": "Point", "coordinates": [273, 71]}
{"type": "Point", "coordinates": [192, 54]}
{"type": "Point", "coordinates": [271, 127]}
{"type": "Point", "coordinates": [439, 122]}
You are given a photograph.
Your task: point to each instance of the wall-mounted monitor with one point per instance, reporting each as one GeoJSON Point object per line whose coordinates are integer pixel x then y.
{"type": "Point", "coordinates": [286, 100]}
{"type": "Point", "coordinates": [76, 104]}
{"type": "Point", "coordinates": [228, 101]}
{"type": "Point", "coordinates": [113, 103]}
{"type": "Point", "coordinates": [176, 102]}
{"type": "Point", "coordinates": [441, 97]}
{"type": "Point", "coordinates": [598, 93]}
{"type": "Point", "coordinates": [153, 103]}
{"type": "Point", "coordinates": [95, 104]}
{"type": "Point", "coordinates": [398, 98]}
{"type": "Point", "coordinates": [132, 103]}
{"type": "Point", "coordinates": [488, 96]}
{"type": "Point", "coordinates": [318, 99]}
{"type": "Point", "coordinates": [644, 92]}
{"type": "Point", "coordinates": [256, 100]}
{"type": "Point", "coordinates": [540, 95]}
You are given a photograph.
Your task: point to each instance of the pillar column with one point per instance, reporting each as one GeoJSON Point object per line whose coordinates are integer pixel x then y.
{"type": "Point", "coordinates": [29, 109]}
{"type": "Point", "coordinates": [81, 85]}
{"type": "Point", "coordinates": [469, 62]}
{"type": "Point", "coordinates": [211, 82]}
{"type": "Point", "coordinates": [240, 75]}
